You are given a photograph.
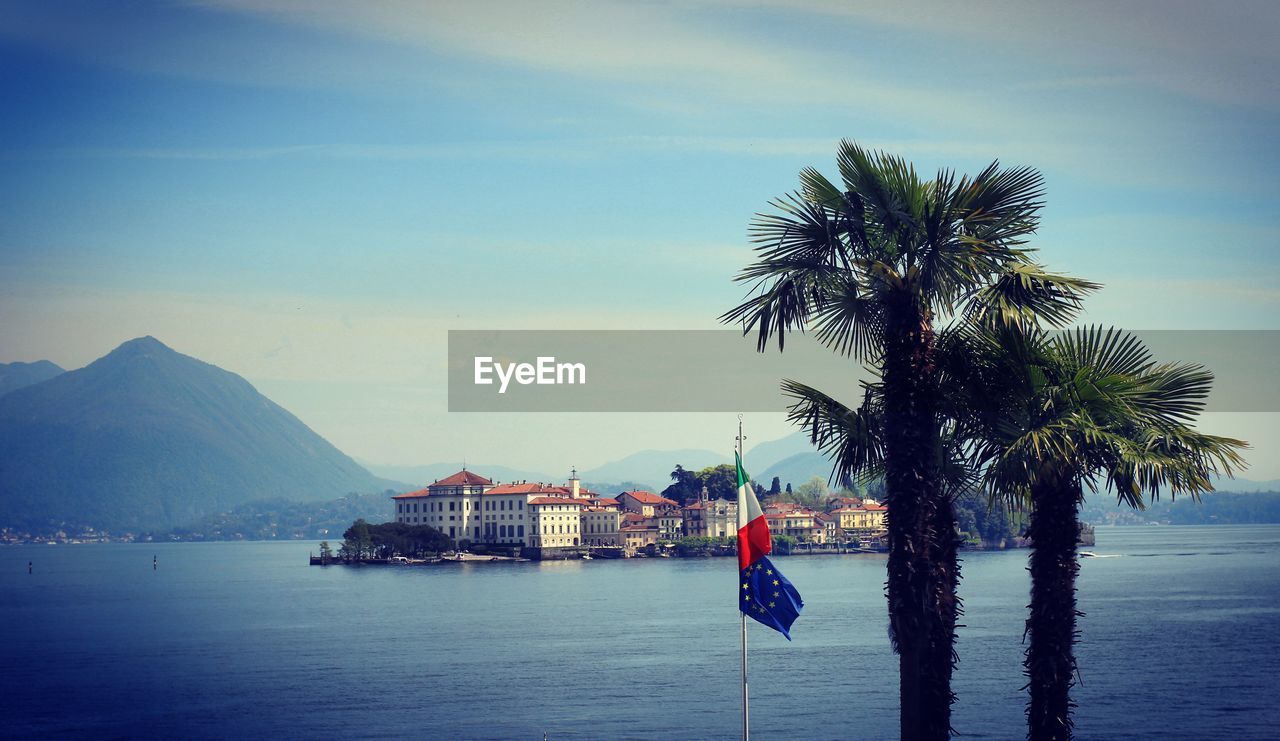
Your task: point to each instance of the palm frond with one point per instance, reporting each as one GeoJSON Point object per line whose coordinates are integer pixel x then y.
{"type": "Point", "coordinates": [851, 439]}
{"type": "Point", "coordinates": [1024, 293]}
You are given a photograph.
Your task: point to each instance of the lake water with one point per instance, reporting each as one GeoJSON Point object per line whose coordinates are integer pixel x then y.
{"type": "Point", "coordinates": [226, 640]}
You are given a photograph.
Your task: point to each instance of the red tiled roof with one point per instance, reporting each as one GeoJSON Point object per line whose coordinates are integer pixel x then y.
{"type": "Point", "coordinates": [875, 507]}
{"type": "Point", "coordinates": [555, 500]}
{"type": "Point", "coordinates": [607, 502]}
{"type": "Point", "coordinates": [414, 494]}
{"type": "Point", "coordinates": [696, 505]}
{"type": "Point", "coordinates": [525, 489]}
{"type": "Point", "coordinates": [463, 478]}
{"type": "Point", "coordinates": [647, 497]}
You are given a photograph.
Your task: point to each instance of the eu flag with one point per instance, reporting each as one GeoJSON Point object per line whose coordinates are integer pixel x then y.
{"type": "Point", "coordinates": [767, 596]}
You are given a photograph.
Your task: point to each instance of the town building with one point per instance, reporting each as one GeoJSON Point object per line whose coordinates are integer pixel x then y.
{"type": "Point", "coordinates": [710, 518]}
{"type": "Point", "coordinates": [864, 520]}
{"type": "Point", "coordinates": [602, 524]}
{"type": "Point", "coordinates": [556, 522]}
{"type": "Point", "coordinates": [670, 522]}
{"type": "Point", "coordinates": [798, 523]}
{"type": "Point", "coordinates": [830, 527]}
{"type": "Point", "coordinates": [640, 535]}
{"type": "Point", "coordinates": [472, 510]}
{"type": "Point", "coordinates": [644, 502]}
{"type": "Point", "coordinates": [451, 505]}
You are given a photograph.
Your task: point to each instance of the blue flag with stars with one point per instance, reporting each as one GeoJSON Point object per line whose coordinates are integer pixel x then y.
{"type": "Point", "coordinates": [767, 597]}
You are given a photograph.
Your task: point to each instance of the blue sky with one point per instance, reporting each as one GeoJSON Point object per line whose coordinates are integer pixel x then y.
{"type": "Point", "coordinates": [312, 193]}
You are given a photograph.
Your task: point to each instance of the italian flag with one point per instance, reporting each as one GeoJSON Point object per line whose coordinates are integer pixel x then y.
{"type": "Point", "coordinates": [753, 530]}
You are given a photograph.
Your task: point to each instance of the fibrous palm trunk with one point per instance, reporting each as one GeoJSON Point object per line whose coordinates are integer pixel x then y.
{"type": "Point", "coordinates": [922, 568]}
{"type": "Point", "coordinates": [1051, 625]}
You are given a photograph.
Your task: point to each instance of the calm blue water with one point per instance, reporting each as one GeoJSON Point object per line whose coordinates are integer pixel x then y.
{"type": "Point", "coordinates": [1182, 639]}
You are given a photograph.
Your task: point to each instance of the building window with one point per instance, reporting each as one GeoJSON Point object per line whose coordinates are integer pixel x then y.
{"type": "Point", "coordinates": [521, 531]}
{"type": "Point", "coordinates": [451, 508]}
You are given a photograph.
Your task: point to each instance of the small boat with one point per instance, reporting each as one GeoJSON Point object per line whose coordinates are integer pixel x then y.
{"type": "Point", "coordinates": [586, 557]}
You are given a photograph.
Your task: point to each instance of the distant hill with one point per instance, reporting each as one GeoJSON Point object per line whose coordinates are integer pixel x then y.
{"type": "Point", "coordinates": [796, 469]}
{"type": "Point", "coordinates": [14, 376]}
{"type": "Point", "coordinates": [148, 438]}
{"type": "Point", "coordinates": [653, 467]}
{"type": "Point", "coordinates": [1221, 483]}
{"type": "Point", "coordinates": [772, 452]}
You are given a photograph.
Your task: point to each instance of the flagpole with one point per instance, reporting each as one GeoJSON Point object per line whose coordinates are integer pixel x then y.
{"type": "Point", "coordinates": [746, 723]}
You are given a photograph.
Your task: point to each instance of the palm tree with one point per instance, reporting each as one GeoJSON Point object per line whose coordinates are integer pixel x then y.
{"type": "Point", "coordinates": [870, 267]}
{"type": "Point", "coordinates": [1053, 414]}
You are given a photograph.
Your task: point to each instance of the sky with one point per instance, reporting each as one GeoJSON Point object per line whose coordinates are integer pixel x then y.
{"type": "Point", "coordinates": [311, 194]}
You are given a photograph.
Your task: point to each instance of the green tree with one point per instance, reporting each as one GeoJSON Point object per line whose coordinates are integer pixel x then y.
{"type": "Point", "coordinates": [789, 492]}
{"type": "Point", "coordinates": [357, 543]}
{"type": "Point", "coordinates": [721, 481]}
{"type": "Point", "coordinates": [775, 487]}
{"type": "Point", "coordinates": [326, 552]}
{"type": "Point", "coordinates": [812, 494]}
{"type": "Point", "coordinates": [1056, 414]}
{"type": "Point", "coordinates": [685, 486]}
{"type": "Point", "coordinates": [867, 267]}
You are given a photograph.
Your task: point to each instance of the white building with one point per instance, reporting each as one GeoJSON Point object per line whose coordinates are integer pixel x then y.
{"type": "Point", "coordinates": [472, 510]}
{"type": "Point", "coordinates": [556, 522]}
{"type": "Point", "coordinates": [451, 505]}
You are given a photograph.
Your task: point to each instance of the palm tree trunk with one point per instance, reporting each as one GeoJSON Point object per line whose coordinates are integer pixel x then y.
{"type": "Point", "coordinates": [922, 569]}
{"type": "Point", "coordinates": [1051, 625]}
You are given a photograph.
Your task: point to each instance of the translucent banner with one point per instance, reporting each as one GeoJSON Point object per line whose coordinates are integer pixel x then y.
{"type": "Point", "coordinates": [721, 371]}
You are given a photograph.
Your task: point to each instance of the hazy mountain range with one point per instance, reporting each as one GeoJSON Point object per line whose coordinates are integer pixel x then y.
{"type": "Point", "coordinates": [14, 376]}
{"type": "Point", "coordinates": [146, 437]}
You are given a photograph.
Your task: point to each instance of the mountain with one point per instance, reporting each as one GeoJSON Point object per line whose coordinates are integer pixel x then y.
{"type": "Point", "coordinates": [766, 454]}
{"type": "Point", "coordinates": [14, 376]}
{"type": "Point", "coordinates": [653, 467]}
{"type": "Point", "coordinates": [148, 438]}
{"type": "Point", "coordinates": [796, 469]}
{"type": "Point", "coordinates": [1222, 483]}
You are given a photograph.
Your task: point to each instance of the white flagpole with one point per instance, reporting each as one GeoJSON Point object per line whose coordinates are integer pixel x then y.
{"type": "Point", "coordinates": [746, 723]}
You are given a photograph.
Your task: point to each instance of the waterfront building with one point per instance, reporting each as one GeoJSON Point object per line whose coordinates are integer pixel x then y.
{"type": "Point", "coordinates": [714, 518]}
{"type": "Point", "coordinates": [864, 520]}
{"type": "Point", "coordinates": [639, 535]}
{"type": "Point", "coordinates": [798, 523]}
{"type": "Point", "coordinates": [830, 527]}
{"type": "Point", "coordinates": [602, 524]}
{"type": "Point", "coordinates": [556, 522]}
{"type": "Point", "coordinates": [670, 522]}
{"type": "Point", "coordinates": [451, 505]}
{"type": "Point", "coordinates": [644, 502]}
{"type": "Point", "coordinates": [472, 510]}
